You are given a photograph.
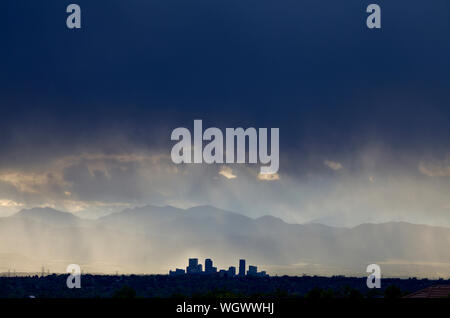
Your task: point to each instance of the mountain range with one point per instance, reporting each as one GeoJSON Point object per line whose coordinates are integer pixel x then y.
{"type": "Point", "coordinates": [154, 239]}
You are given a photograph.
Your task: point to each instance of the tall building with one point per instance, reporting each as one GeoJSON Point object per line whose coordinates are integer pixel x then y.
{"type": "Point", "coordinates": [208, 265]}
{"type": "Point", "coordinates": [194, 267]}
{"type": "Point", "coordinates": [242, 267]}
{"type": "Point", "coordinates": [252, 270]}
{"type": "Point", "coordinates": [193, 262]}
{"type": "Point", "coordinates": [231, 271]}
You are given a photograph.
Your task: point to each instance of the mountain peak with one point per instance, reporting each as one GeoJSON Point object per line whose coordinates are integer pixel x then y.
{"type": "Point", "coordinates": [47, 214]}
{"type": "Point", "coordinates": [270, 219]}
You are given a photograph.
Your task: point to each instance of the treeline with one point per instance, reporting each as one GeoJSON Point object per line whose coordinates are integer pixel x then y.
{"type": "Point", "coordinates": [131, 286]}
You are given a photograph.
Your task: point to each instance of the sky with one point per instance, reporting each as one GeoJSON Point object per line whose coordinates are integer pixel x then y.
{"type": "Point", "coordinates": [364, 115]}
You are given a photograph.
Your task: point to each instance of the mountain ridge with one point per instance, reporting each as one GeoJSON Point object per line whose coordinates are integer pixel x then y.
{"type": "Point", "coordinates": [162, 237]}
{"type": "Point", "coordinates": [45, 212]}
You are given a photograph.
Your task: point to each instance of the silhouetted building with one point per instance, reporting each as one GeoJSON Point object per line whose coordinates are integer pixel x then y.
{"type": "Point", "coordinates": [177, 272]}
{"type": "Point", "coordinates": [263, 274]}
{"type": "Point", "coordinates": [194, 267]}
{"type": "Point", "coordinates": [208, 265]}
{"type": "Point", "coordinates": [209, 268]}
{"type": "Point", "coordinates": [252, 270]}
{"type": "Point", "coordinates": [193, 262]}
{"type": "Point", "coordinates": [232, 271]}
{"type": "Point", "coordinates": [242, 267]}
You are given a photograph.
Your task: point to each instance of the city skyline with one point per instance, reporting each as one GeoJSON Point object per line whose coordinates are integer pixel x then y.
{"type": "Point", "coordinates": [195, 268]}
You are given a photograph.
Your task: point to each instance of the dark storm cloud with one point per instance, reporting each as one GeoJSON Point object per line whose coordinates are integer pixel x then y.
{"type": "Point", "coordinates": [311, 68]}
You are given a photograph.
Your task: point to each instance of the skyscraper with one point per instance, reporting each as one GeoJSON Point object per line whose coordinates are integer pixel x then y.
{"type": "Point", "coordinates": [208, 265]}
{"type": "Point", "coordinates": [193, 262]}
{"type": "Point", "coordinates": [252, 270]}
{"type": "Point", "coordinates": [242, 267]}
{"type": "Point", "coordinates": [194, 266]}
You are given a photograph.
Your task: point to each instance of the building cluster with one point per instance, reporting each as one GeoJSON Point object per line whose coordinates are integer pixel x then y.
{"type": "Point", "coordinates": [195, 268]}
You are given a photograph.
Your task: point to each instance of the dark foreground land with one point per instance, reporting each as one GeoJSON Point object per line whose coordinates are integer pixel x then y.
{"type": "Point", "coordinates": [153, 286]}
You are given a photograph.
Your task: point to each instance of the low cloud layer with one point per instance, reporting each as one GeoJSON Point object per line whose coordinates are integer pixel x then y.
{"type": "Point", "coordinates": [371, 188]}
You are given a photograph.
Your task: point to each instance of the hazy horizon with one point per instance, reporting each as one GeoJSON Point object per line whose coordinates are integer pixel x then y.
{"type": "Point", "coordinates": [152, 240]}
